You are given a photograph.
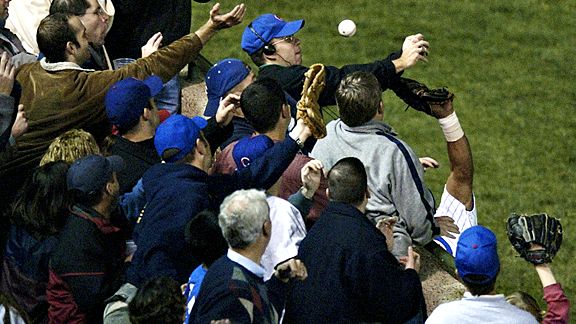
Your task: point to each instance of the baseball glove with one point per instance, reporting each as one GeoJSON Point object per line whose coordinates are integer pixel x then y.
{"type": "Point", "coordinates": [308, 108]}
{"type": "Point", "coordinates": [541, 229]}
{"type": "Point", "coordinates": [418, 96]}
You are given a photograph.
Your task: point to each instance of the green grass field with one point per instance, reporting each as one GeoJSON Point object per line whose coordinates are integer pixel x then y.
{"type": "Point", "coordinates": [510, 64]}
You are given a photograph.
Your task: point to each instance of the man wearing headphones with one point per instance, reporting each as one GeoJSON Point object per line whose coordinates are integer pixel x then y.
{"type": "Point", "coordinates": [270, 42]}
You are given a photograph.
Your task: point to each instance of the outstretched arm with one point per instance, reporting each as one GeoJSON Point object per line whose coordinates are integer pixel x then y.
{"type": "Point", "coordinates": [220, 21]}
{"type": "Point", "coordinates": [558, 306]}
{"type": "Point", "coordinates": [459, 183]}
{"type": "Point", "coordinates": [414, 49]}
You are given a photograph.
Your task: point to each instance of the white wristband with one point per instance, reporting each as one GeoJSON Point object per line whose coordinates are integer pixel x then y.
{"type": "Point", "coordinates": [451, 127]}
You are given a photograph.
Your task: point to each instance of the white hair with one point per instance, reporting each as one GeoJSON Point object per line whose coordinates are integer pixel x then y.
{"type": "Point", "coordinates": [242, 215]}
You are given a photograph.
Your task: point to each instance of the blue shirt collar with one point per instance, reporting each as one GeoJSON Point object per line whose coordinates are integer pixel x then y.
{"type": "Point", "coordinates": [250, 265]}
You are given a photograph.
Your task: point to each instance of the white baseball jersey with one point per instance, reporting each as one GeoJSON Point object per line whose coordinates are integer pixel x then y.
{"type": "Point", "coordinates": [450, 206]}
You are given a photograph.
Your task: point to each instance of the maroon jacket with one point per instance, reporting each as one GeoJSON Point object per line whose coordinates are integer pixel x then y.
{"type": "Point", "coordinates": [86, 267]}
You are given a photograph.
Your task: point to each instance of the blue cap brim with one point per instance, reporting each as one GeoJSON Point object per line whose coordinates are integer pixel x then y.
{"type": "Point", "coordinates": [211, 107]}
{"type": "Point", "coordinates": [291, 28]}
{"type": "Point", "coordinates": [116, 163]}
{"type": "Point", "coordinates": [200, 122]}
{"type": "Point", "coordinates": [155, 84]}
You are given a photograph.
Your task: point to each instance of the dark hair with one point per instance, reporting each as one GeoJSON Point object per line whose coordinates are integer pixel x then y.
{"type": "Point", "coordinates": [89, 199]}
{"type": "Point", "coordinates": [41, 206]}
{"type": "Point", "coordinates": [358, 98]}
{"type": "Point", "coordinates": [478, 289]}
{"type": "Point", "coordinates": [204, 237]}
{"type": "Point", "coordinates": [347, 181]}
{"type": "Point", "coordinates": [53, 35]}
{"type": "Point", "coordinates": [258, 57]}
{"type": "Point", "coordinates": [262, 103]}
{"type": "Point", "coordinates": [86, 199]}
{"type": "Point", "coordinates": [159, 300]}
{"type": "Point", "coordinates": [72, 7]}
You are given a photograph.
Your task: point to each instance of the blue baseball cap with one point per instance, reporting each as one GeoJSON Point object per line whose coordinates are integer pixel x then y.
{"type": "Point", "coordinates": [126, 99]}
{"type": "Point", "coordinates": [178, 132]}
{"type": "Point", "coordinates": [268, 26]}
{"type": "Point", "coordinates": [221, 78]}
{"type": "Point", "coordinates": [476, 254]}
{"type": "Point", "coordinates": [91, 173]}
{"type": "Point", "coordinates": [249, 149]}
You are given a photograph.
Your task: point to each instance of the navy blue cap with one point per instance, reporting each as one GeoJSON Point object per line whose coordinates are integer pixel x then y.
{"type": "Point", "coordinates": [476, 254]}
{"type": "Point", "coordinates": [178, 132]}
{"type": "Point", "coordinates": [268, 26]}
{"type": "Point", "coordinates": [91, 173]}
{"type": "Point", "coordinates": [126, 99]}
{"type": "Point", "coordinates": [221, 78]}
{"type": "Point", "coordinates": [249, 149]}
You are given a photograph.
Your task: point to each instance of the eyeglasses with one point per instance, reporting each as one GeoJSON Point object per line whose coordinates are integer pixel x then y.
{"type": "Point", "coordinates": [99, 12]}
{"type": "Point", "coordinates": [288, 39]}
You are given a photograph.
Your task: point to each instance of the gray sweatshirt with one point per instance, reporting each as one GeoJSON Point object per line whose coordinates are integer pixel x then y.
{"type": "Point", "coordinates": [395, 177]}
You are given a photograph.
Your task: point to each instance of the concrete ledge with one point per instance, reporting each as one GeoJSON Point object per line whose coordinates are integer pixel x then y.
{"type": "Point", "coordinates": [438, 284]}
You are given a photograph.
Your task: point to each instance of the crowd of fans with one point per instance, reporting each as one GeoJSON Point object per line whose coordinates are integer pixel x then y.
{"type": "Point", "coordinates": [118, 209]}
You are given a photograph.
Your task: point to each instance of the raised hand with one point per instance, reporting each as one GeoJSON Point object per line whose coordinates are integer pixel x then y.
{"type": "Point", "coordinates": [227, 20]}
{"type": "Point", "coordinates": [414, 49]}
{"type": "Point", "coordinates": [311, 174]}
{"type": "Point", "coordinates": [301, 131]}
{"type": "Point", "coordinates": [152, 45]}
{"type": "Point", "coordinates": [226, 109]}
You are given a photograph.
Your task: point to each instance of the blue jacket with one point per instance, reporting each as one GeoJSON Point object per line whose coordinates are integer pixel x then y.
{"type": "Point", "coordinates": [24, 272]}
{"type": "Point", "coordinates": [175, 194]}
{"type": "Point", "coordinates": [345, 252]}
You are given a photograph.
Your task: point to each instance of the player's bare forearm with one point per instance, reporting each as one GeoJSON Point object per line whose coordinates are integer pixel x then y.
{"type": "Point", "coordinates": [460, 180]}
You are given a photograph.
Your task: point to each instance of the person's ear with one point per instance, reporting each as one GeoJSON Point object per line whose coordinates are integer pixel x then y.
{"type": "Point", "coordinates": [71, 48]}
{"type": "Point", "coordinates": [367, 193]}
{"type": "Point", "coordinates": [286, 111]}
{"type": "Point", "coordinates": [381, 107]}
{"type": "Point", "coordinates": [109, 188]}
{"type": "Point", "coordinates": [267, 228]}
{"type": "Point", "coordinates": [201, 146]}
{"type": "Point", "coordinates": [146, 113]}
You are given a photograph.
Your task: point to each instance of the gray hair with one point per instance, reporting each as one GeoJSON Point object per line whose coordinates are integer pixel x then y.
{"type": "Point", "coordinates": [241, 217]}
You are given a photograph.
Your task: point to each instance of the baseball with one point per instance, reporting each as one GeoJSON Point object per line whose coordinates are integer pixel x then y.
{"type": "Point", "coordinates": [347, 28]}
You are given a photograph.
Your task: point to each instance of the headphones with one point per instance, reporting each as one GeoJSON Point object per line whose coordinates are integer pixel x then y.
{"type": "Point", "coordinates": [268, 48]}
